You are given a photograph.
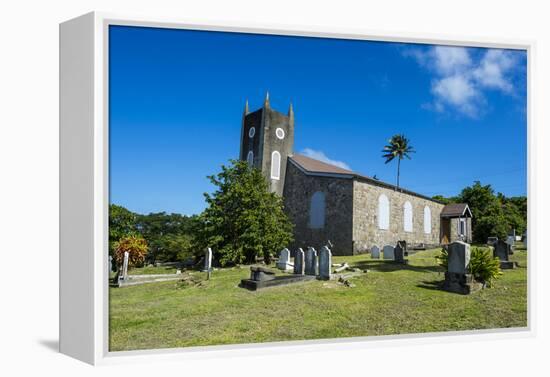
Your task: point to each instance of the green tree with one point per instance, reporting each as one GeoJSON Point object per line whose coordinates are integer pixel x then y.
{"type": "Point", "coordinates": [398, 147]}
{"type": "Point", "coordinates": [135, 245]}
{"type": "Point", "coordinates": [122, 222]}
{"type": "Point", "coordinates": [243, 220]}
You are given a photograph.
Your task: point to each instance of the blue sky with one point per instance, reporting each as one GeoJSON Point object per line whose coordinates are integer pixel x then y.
{"type": "Point", "coordinates": [177, 96]}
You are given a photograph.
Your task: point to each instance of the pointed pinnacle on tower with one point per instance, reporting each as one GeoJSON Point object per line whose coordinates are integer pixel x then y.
{"type": "Point", "coordinates": [290, 111]}
{"type": "Point", "coordinates": [266, 102]}
{"type": "Point", "coordinates": [246, 111]}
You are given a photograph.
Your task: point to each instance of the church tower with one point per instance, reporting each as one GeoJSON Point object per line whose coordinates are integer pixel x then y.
{"type": "Point", "coordinates": [267, 140]}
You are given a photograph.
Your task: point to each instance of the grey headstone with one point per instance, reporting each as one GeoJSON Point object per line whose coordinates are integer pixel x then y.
{"type": "Point", "coordinates": [299, 262]}
{"type": "Point", "coordinates": [459, 257]}
{"type": "Point", "coordinates": [284, 260]}
{"type": "Point", "coordinates": [208, 259]}
{"type": "Point", "coordinates": [502, 250]}
{"type": "Point", "coordinates": [388, 252]}
{"type": "Point", "coordinates": [110, 265]}
{"type": "Point", "coordinates": [325, 263]}
{"type": "Point", "coordinates": [125, 266]}
{"type": "Point", "coordinates": [375, 252]}
{"type": "Point", "coordinates": [311, 261]}
{"type": "Point", "coordinates": [399, 253]}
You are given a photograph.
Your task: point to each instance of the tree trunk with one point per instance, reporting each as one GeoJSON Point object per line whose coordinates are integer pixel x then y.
{"type": "Point", "coordinates": [398, 168]}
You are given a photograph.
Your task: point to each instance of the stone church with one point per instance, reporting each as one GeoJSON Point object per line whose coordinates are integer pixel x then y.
{"type": "Point", "coordinates": [352, 210]}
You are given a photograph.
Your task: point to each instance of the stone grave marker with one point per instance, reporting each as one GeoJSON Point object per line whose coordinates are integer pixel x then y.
{"type": "Point", "coordinates": [311, 261]}
{"type": "Point", "coordinates": [299, 266]}
{"type": "Point", "coordinates": [208, 260]}
{"type": "Point", "coordinates": [502, 252]}
{"type": "Point", "coordinates": [375, 252]}
{"type": "Point", "coordinates": [110, 265]}
{"type": "Point", "coordinates": [399, 253]}
{"type": "Point", "coordinates": [124, 275]}
{"type": "Point", "coordinates": [388, 252]}
{"type": "Point", "coordinates": [457, 278]}
{"type": "Point", "coordinates": [284, 260]}
{"type": "Point", "coordinates": [325, 263]}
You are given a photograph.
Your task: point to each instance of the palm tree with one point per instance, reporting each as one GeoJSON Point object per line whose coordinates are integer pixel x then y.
{"type": "Point", "coordinates": [398, 147]}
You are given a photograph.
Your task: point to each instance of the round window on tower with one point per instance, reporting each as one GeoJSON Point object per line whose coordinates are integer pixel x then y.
{"type": "Point", "coordinates": [280, 133]}
{"type": "Point", "coordinates": [251, 132]}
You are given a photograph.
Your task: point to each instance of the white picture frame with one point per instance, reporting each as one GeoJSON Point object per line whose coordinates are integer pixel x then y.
{"type": "Point", "coordinates": [84, 193]}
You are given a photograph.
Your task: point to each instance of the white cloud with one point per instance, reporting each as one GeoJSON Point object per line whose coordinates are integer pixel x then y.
{"type": "Point", "coordinates": [461, 77]}
{"type": "Point", "coordinates": [321, 156]}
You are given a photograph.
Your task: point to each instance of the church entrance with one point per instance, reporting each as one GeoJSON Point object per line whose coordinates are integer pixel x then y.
{"type": "Point", "coordinates": [445, 231]}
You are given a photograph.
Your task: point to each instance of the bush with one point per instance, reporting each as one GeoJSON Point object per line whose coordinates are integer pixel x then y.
{"type": "Point", "coordinates": [136, 246]}
{"type": "Point", "coordinates": [483, 265]}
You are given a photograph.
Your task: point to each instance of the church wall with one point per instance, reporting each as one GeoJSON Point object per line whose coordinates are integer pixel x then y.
{"type": "Point", "coordinates": [299, 188]}
{"type": "Point", "coordinates": [366, 232]}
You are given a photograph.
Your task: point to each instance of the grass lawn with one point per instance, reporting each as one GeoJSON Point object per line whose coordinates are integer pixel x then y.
{"type": "Point", "coordinates": [389, 299]}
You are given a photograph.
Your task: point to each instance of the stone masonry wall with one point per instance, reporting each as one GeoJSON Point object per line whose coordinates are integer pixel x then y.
{"type": "Point", "coordinates": [366, 232]}
{"type": "Point", "coordinates": [298, 191]}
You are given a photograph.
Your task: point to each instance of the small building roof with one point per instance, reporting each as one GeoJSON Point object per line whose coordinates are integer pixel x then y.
{"type": "Point", "coordinates": [312, 166]}
{"type": "Point", "coordinates": [456, 210]}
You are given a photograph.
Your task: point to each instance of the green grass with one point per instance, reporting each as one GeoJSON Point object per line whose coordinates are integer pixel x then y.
{"type": "Point", "coordinates": [390, 299]}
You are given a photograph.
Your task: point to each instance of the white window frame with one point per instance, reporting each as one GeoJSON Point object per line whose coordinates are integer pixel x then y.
{"type": "Point", "coordinates": [383, 217]}
{"type": "Point", "coordinates": [251, 132]}
{"type": "Point", "coordinates": [407, 217]}
{"type": "Point", "coordinates": [250, 158]}
{"type": "Point", "coordinates": [427, 220]}
{"type": "Point", "coordinates": [281, 131]}
{"type": "Point", "coordinates": [275, 167]}
{"type": "Point", "coordinates": [462, 226]}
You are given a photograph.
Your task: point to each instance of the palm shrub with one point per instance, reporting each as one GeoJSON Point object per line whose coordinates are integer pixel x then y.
{"type": "Point", "coordinates": [484, 266]}
{"type": "Point", "coordinates": [443, 258]}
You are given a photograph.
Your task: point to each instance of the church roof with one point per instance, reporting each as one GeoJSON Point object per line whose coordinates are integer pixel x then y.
{"type": "Point", "coordinates": [456, 210]}
{"type": "Point", "coordinates": [315, 167]}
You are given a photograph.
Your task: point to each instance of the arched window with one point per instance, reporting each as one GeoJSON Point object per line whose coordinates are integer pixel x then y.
{"type": "Point", "coordinates": [408, 217]}
{"type": "Point", "coordinates": [317, 210]}
{"type": "Point", "coordinates": [383, 212]}
{"type": "Point", "coordinates": [275, 165]}
{"type": "Point", "coordinates": [250, 158]}
{"type": "Point", "coordinates": [427, 220]}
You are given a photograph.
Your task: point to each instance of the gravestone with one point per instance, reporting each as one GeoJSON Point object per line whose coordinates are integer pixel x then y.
{"type": "Point", "coordinates": [325, 263]}
{"type": "Point", "coordinates": [399, 254]}
{"type": "Point", "coordinates": [299, 266]}
{"type": "Point", "coordinates": [208, 260]}
{"type": "Point", "coordinates": [511, 240]}
{"type": "Point", "coordinates": [457, 277]}
{"type": "Point", "coordinates": [284, 260]}
{"type": "Point", "coordinates": [375, 252]}
{"type": "Point", "coordinates": [311, 261]}
{"type": "Point", "coordinates": [124, 275]}
{"type": "Point", "coordinates": [388, 252]}
{"type": "Point", "coordinates": [110, 265]}
{"type": "Point", "coordinates": [502, 252]}
{"type": "Point", "coordinates": [403, 244]}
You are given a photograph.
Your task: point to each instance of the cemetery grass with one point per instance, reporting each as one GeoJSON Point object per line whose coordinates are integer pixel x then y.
{"type": "Point", "coordinates": [389, 299]}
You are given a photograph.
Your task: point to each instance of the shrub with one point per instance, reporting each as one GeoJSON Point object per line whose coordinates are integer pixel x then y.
{"type": "Point", "coordinates": [136, 246]}
{"type": "Point", "coordinates": [443, 258]}
{"type": "Point", "coordinates": [484, 266]}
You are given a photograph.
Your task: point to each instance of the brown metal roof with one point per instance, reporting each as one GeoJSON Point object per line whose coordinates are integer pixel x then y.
{"type": "Point", "coordinates": [313, 166]}
{"type": "Point", "coordinates": [316, 166]}
{"type": "Point", "coordinates": [455, 210]}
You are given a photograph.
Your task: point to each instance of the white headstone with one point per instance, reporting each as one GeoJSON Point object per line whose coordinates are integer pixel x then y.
{"type": "Point", "coordinates": [284, 260]}
{"type": "Point", "coordinates": [110, 264]}
{"type": "Point", "coordinates": [388, 252]}
{"type": "Point", "coordinates": [311, 262]}
{"type": "Point", "coordinates": [125, 265]}
{"type": "Point", "coordinates": [375, 252]}
{"type": "Point", "coordinates": [208, 259]}
{"type": "Point", "coordinates": [510, 240]}
{"type": "Point", "coordinates": [325, 263]}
